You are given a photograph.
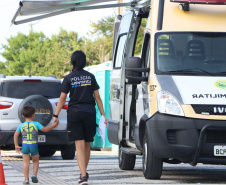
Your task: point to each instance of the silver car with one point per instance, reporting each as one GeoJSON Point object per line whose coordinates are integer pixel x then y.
{"type": "Point", "coordinates": [43, 93]}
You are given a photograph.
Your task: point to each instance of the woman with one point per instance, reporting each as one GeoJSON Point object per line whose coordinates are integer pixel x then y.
{"type": "Point", "coordinates": [81, 114]}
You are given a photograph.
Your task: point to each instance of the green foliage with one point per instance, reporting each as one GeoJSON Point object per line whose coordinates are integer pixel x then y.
{"type": "Point", "coordinates": [23, 52]}
{"type": "Point", "coordinates": [140, 37]}
{"type": "Point", "coordinates": [37, 55]}
{"type": "Point", "coordinates": [103, 31]}
{"type": "Point", "coordinates": [58, 53]}
{"type": "Point", "coordinates": [2, 68]}
{"type": "Point", "coordinates": [104, 27]}
{"type": "Point", "coordinates": [91, 50]}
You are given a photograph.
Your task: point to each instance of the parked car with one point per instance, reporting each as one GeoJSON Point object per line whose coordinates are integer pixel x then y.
{"type": "Point", "coordinates": [43, 93]}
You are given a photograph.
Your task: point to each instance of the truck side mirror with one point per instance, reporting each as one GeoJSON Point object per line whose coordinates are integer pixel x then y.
{"type": "Point", "coordinates": [134, 71]}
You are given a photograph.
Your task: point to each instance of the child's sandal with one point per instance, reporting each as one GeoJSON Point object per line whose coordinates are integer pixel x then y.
{"type": "Point", "coordinates": [26, 182]}
{"type": "Point", "coordinates": [34, 179]}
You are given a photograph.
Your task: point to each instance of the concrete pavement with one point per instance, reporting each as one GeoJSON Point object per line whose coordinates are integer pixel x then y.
{"type": "Point", "coordinates": [103, 169]}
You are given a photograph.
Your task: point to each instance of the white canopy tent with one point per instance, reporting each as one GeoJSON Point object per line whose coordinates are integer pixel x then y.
{"type": "Point", "coordinates": [40, 9]}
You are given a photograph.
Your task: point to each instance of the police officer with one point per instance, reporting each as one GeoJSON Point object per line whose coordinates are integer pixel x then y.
{"type": "Point", "coordinates": [81, 114]}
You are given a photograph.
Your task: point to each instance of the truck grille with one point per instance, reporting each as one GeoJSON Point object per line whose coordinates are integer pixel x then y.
{"type": "Point", "coordinates": [215, 136]}
{"type": "Point", "coordinates": [209, 109]}
{"type": "Point", "coordinates": [171, 137]}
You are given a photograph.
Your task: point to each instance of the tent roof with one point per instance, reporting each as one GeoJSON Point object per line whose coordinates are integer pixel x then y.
{"type": "Point", "coordinates": [30, 7]}
{"type": "Point", "coordinates": [40, 9]}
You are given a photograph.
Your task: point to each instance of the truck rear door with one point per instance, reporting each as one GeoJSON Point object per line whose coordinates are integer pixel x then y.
{"type": "Point", "coordinates": [122, 51]}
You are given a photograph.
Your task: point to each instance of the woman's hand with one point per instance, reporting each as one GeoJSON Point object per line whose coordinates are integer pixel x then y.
{"type": "Point", "coordinates": [106, 120]}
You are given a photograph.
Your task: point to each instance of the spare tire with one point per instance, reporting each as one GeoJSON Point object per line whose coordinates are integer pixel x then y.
{"type": "Point", "coordinates": [43, 109]}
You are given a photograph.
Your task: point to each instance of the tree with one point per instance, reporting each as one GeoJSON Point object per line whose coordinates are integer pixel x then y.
{"type": "Point", "coordinates": [36, 54]}
{"type": "Point", "coordinates": [103, 31]}
{"type": "Point", "coordinates": [23, 52]}
{"type": "Point", "coordinates": [140, 37]}
{"type": "Point", "coordinates": [60, 48]}
{"type": "Point", "coordinates": [91, 49]}
{"type": "Point", "coordinates": [2, 68]}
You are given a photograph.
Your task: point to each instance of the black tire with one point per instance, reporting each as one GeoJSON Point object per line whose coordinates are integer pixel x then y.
{"type": "Point", "coordinates": [152, 165]}
{"type": "Point", "coordinates": [68, 152]}
{"type": "Point", "coordinates": [126, 161]}
{"type": "Point", "coordinates": [44, 109]}
{"type": "Point", "coordinates": [46, 151]}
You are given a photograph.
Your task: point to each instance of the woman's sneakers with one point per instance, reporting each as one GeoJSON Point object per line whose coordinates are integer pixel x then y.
{"type": "Point", "coordinates": [84, 180]}
{"type": "Point", "coordinates": [87, 175]}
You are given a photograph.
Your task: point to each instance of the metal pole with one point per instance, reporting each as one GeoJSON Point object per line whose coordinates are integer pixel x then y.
{"type": "Point", "coordinates": [120, 9]}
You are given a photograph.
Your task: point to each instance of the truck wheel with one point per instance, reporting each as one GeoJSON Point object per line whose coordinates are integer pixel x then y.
{"type": "Point", "coordinates": [68, 152]}
{"type": "Point", "coordinates": [46, 151]}
{"type": "Point", "coordinates": [126, 161]}
{"type": "Point", "coordinates": [152, 165]}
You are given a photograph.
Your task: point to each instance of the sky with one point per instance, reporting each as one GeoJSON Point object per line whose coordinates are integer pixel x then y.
{"type": "Point", "coordinates": [75, 21]}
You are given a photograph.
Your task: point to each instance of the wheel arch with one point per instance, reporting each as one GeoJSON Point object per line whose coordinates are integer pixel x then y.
{"type": "Point", "coordinates": [139, 131]}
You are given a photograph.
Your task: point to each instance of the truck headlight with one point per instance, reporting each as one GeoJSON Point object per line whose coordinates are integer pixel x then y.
{"type": "Point", "coordinates": [168, 104]}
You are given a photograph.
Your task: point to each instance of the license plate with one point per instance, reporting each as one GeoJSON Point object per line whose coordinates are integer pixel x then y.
{"type": "Point", "coordinates": [219, 150]}
{"type": "Point", "coordinates": [41, 138]}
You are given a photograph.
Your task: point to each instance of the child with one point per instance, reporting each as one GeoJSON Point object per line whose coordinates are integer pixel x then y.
{"type": "Point", "coordinates": [29, 130]}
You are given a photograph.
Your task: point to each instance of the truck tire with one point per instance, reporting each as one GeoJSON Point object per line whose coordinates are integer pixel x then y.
{"type": "Point", "coordinates": [126, 161]}
{"type": "Point", "coordinates": [152, 165]}
{"type": "Point", "coordinates": [46, 151]}
{"type": "Point", "coordinates": [68, 152]}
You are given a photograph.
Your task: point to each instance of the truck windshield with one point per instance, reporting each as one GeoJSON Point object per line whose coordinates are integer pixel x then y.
{"type": "Point", "coordinates": [191, 53]}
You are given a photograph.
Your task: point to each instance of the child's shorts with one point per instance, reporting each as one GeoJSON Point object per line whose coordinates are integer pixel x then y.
{"type": "Point", "coordinates": [81, 125]}
{"type": "Point", "coordinates": [30, 149]}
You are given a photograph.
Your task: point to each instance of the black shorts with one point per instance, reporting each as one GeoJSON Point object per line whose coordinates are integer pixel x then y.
{"type": "Point", "coordinates": [81, 125]}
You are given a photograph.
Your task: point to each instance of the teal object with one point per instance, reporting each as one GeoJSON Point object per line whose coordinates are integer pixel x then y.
{"type": "Point", "coordinates": [103, 80]}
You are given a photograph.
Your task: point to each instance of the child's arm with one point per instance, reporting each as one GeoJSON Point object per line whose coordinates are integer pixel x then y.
{"type": "Point", "coordinates": [17, 147]}
{"type": "Point", "coordinates": [47, 129]}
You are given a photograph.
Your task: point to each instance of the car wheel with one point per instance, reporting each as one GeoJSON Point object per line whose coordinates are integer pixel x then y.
{"type": "Point", "coordinates": [44, 109]}
{"type": "Point", "coordinates": [152, 165]}
{"type": "Point", "coordinates": [126, 161]}
{"type": "Point", "coordinates": [46, 151]}
{"type": "Point", "coordinates": [68, 151]}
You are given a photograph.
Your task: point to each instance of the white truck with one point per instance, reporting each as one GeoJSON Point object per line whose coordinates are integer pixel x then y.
{"type": "Point", "coordinates": [169, 104]}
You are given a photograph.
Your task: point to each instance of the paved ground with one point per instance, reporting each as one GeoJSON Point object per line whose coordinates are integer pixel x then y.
{"type": "Point", "coordinates": [103, 169]}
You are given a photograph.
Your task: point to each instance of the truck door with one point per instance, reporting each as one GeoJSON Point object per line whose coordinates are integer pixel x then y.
{"type": "Point", "coordinates": [122, 93]}
{"type": "Point", "coordinates": [118, 72]}
{"type": "Point", "coordinates": [136, 95]}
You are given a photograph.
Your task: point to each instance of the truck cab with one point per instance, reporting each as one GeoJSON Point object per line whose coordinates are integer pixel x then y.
{"type": "Point", "coordinates": [169, 103]}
